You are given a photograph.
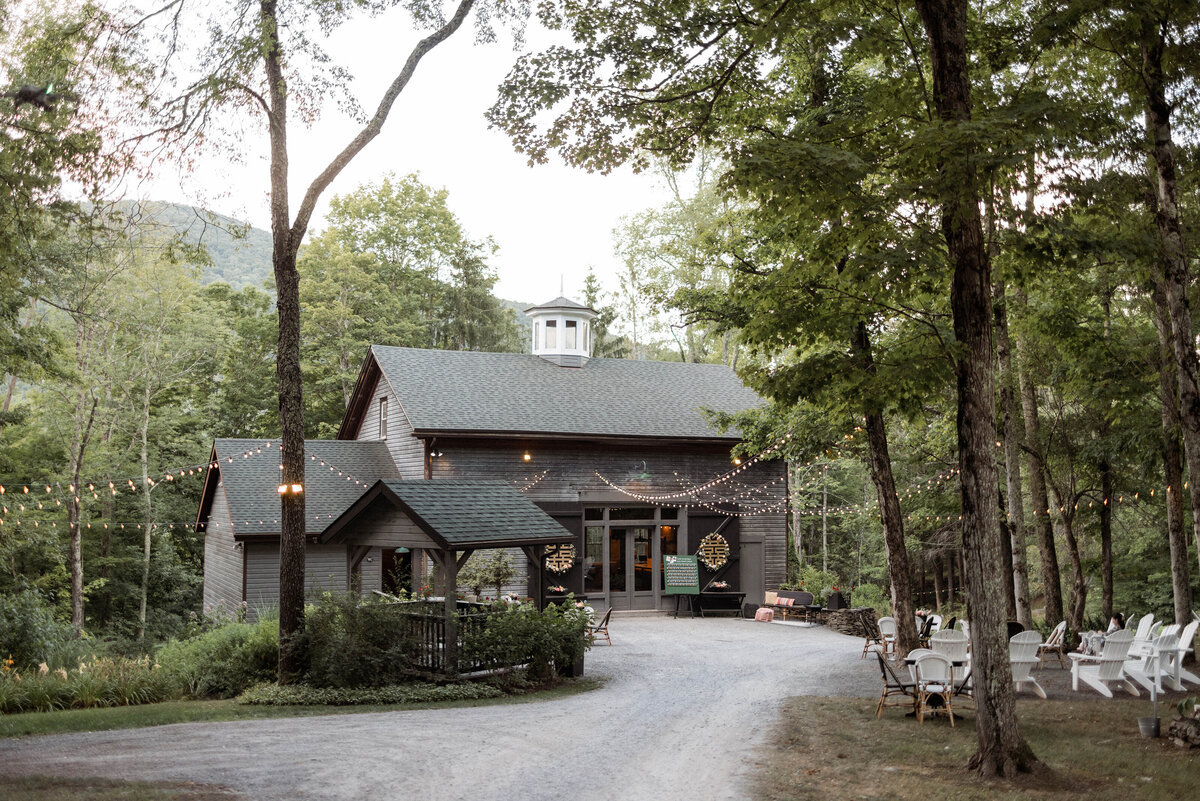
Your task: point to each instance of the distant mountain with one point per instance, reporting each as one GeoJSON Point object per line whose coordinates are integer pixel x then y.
{"type": "Point", "coordinates": [240, 253]}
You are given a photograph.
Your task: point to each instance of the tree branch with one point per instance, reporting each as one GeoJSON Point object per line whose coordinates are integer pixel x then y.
{"type": "Point", "coordinates": [372, 129]}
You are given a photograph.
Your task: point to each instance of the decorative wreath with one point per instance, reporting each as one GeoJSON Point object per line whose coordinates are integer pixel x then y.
{"type": "Point", "coordinates": [559, 558]}
{"type": "Point", "coordinates": [713, 552]}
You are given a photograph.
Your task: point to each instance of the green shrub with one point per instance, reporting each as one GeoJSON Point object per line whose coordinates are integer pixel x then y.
{"type": "Point", "coordinates": [819, 582]}
{"type": "Point", "coordinates": [518, 634]}
{"type": "Point", "coordinates": [872, 595]}
{"type": "Point", "coordinates": [224, 661]}
{"type": "Point", "coordinates": [301, 694]}
{"type": "Point", "coordinates": [351, 641]}
{"type": "Point", "coordinates": [28, 631]}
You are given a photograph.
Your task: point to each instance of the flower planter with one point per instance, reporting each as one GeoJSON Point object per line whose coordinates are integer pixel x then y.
{"type": "Point", "coordinates": [573, 671]}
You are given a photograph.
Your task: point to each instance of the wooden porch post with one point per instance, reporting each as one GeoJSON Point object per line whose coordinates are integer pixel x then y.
{"type": "Point", "coordinates": [535, 553]}
{"type": "Point", "coordinates": [450, 569]}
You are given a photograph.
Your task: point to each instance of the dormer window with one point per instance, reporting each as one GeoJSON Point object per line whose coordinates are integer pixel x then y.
{"type": "Point", "coordinates": [383, 418]}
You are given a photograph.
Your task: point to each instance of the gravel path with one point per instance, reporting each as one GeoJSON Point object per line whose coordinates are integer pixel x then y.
{"type": "Point", "coordinates": [685, 703]}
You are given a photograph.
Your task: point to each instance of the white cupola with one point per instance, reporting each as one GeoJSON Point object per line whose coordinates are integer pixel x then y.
{"type": "Point", "coordinates": [562, 332]}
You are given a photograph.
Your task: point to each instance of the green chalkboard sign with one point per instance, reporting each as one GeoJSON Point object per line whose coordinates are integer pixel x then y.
{"type": "Point", "coordinates": [681, 575]}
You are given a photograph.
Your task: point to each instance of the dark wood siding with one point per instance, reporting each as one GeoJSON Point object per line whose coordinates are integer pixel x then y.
{"type": "Point", "coordinates": [571, 469]}
{"type": "Point", "coordinates": [324, 569]}
{"type": "Point", "coordinates": [407, 451]}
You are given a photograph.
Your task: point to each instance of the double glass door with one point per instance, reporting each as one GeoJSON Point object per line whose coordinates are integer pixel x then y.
{"type": "Point", "coordinates": [622, 563]}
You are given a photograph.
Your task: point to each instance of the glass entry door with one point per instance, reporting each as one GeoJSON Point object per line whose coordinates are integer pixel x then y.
{"type": "Point", "coordinates": [620, 562]}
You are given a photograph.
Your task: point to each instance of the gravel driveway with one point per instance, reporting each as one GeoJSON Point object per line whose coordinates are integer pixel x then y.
{"type": "Point", "coordinates": [685, 703]}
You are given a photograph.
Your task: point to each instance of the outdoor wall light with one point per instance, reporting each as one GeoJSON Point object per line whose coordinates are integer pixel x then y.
{"type": "Point", "coordinates": [527, 457]}
{"type": "Point", "coordinates": [293, 489]}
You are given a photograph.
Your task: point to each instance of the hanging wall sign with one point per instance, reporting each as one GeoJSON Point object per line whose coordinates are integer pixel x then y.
{"type": "Point", "coordinates": [559, 558]}
{"type": "Point", "coordinates": [713, 551]}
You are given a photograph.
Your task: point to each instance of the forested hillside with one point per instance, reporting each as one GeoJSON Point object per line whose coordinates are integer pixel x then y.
{"type": "Point", "coordinates": [237, 253]}
{"type": "Point", "coordinates": [147, 331]}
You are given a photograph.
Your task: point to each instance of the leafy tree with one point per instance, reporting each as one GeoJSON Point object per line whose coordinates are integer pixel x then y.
{"type": "Point", "coordinates": [474, 319]}
{"type": "Point", "coordinates": [605, 345]}
{"type": "Point", "coordinates": [678, 249]}
{"type": "Point", "coordinates": [255, 60]}
{"type": "Point", "coordinates": [674, 77]}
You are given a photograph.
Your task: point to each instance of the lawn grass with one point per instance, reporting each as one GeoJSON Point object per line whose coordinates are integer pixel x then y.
{"type": "Point", "coordinates": [39, 788]}
{"type": "Point", "coordinates": [132, 717]}
{"type": "Point", "coordinates": [834, 747]}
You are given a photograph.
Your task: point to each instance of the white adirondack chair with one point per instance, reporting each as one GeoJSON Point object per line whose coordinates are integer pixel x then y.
{"type": "Point", "coordinates": [950, 644]}
{"type": "Point", "coordinates": [1022, 653]}
{"type": "Point", "coordinates": [1186, 638]}
{"type": "Point", "coordinates": [1108, 668]}
{"type": "Point", "coordinates": [1054, 644]}
{"type": "Point", "coordinates": [1141, 636]}
{"type": "Point", "coordinates": [1152, 668]}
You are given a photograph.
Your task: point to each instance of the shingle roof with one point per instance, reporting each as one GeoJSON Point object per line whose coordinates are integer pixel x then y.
{"type": "Point", "coordinates": [336, 473]}
{"type": "Point", "coordinates": [467, 391]}
{"type": "Point", "coordinates": [461, 514]}
{"type": "Point", "coordinates": [561, 303]}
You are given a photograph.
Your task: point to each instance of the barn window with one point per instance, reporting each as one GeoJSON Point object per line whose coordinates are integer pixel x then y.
{"type": "Point", "coordinates": [383, 418]}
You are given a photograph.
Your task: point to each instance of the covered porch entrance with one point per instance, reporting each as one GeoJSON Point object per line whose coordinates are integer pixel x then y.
{"type": "Point", "coordinates": [623, 550]}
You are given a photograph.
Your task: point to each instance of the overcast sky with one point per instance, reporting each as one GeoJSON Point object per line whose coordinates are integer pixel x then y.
{"type": "Point", "coordinates": [551, 222]}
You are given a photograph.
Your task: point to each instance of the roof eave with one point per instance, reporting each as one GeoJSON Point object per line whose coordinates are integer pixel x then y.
{"type": "Point", "coordinates": [646, 439]}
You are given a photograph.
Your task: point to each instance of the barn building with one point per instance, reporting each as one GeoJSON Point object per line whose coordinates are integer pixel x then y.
{"type": "Point", "coordinates": [618, 453]}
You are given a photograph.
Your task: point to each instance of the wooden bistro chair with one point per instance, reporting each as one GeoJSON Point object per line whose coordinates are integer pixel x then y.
{"type": "Point", "coordinates": [894, 686]}
{"type": "Point", "coordinates": [1054, 644]}
{"type": "Point", "coordinates": [874, 639]}
{"type": "Point", "coordinates": [935, 678]}
{"type": "Point", "coordinates": [887, 627]}
{"type": "Point", "coordinates": [601, 628]}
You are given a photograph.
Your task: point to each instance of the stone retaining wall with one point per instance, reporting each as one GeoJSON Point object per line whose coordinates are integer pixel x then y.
{"type": "Point", "coordinates": [847, 621]}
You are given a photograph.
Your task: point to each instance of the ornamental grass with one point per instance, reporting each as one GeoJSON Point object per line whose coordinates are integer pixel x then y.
{"type": "Point", "coordinates": [99, 681]}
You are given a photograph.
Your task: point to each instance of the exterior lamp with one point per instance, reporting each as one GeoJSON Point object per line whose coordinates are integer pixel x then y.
{"type": "Point", "coordinates": [293, 489]}
{"type": "Point", "coordinates": [527, 457]}
{"type": "Point", "coordinates": [401, 549]}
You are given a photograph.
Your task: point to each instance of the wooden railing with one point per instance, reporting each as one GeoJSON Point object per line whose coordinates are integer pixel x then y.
{"type": "Point", "coordinates": [425, 628]}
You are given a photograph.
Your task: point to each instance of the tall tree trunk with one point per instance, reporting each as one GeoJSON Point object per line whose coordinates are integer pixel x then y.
{"type": "Point", "coordinates": [1012, 461]}
{"type": "Point", "coordinates": [1078, 597]}
{"type": "Point", "coordinates": [1172, 454]}
{"type": "Point", "coordinates": [74, 516]}
{"type": "Point", "coordinates": [1106, 561]}
{"type": "Point", "coordinates": [286, 237]}
{"type": "Point", "coordinates": [889, 508]}
{"type": "Point", "coordinates": [948, 557]}
{"type": "Point", "coordinates": [148, 512]}
{"type": "Point", "coordinates": [1173, 254]}
{"type": "Point", "coordinates": [1042, 522]}
{"type": "Point", "coordinates": [1002, 751]}
{"type": "Point", "coordinates": [287, 358]}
